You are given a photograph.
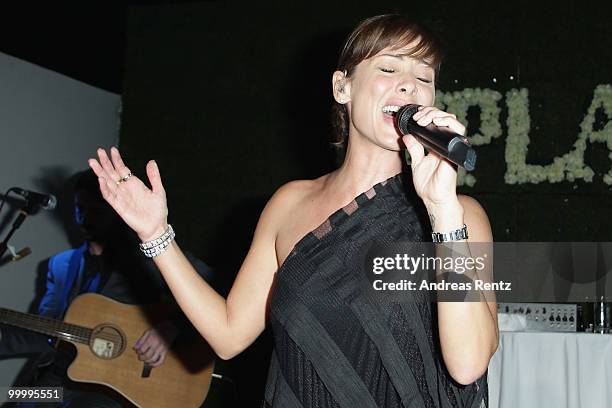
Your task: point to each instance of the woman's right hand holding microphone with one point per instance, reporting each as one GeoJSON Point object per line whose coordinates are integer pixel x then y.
{"type": "Point", "coordinates": [143, 209]}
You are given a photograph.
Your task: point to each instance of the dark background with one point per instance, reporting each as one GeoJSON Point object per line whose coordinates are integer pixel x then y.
{"type": "Point", "coordinates": [233, 100]}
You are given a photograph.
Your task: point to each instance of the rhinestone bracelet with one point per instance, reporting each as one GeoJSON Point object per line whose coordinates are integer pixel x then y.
{"type": "Point", "coordinates": [157, 246]}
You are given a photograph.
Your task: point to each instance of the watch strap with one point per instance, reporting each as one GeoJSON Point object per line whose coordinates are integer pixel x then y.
{"type": "Point", "coordinates": [456, 235]}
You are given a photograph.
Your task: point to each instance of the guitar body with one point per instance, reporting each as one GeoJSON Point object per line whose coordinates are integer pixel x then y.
{"type": "Point", "coordinates": [183, 380]}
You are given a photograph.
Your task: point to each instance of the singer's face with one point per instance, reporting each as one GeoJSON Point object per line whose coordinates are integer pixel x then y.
{"type": "Point", "coordinates": [389, 79]}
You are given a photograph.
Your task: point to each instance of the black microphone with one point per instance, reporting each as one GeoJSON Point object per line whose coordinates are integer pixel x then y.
{"type": "Point", "coordinates": [45, 201]}
{"type": "Point", "coordinates": [441, 140]}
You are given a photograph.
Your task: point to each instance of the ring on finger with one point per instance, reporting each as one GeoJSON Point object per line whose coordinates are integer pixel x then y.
{"type": "Point", "coordinates": [124, 178]}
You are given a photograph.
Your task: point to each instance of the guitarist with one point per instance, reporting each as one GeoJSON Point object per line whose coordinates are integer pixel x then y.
{"type": "Point", "coordinates": [106, 264]}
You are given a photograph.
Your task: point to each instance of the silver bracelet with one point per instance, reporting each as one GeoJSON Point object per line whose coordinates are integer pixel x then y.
{"type": "Point", "coordinates": [157, 246]}
{"type": "Point", "coordinates": [456, 235]}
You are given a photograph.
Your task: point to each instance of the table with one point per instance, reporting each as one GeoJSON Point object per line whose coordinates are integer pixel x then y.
{"type": "Point", "coordinates": [541, 370]}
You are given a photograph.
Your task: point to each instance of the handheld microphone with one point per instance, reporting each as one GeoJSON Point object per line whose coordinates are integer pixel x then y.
{"type": "Point", "coordinates": [45, 201]}
{"type": "Point", "coordinates": [441, 140]}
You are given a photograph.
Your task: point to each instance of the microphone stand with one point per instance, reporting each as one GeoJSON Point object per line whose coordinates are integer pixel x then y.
{"type": "Point", "coordinates": [26, 210]}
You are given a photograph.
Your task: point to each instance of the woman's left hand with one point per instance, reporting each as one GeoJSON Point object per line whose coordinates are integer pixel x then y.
{"type": "Point", "coordinates": [434, 178]}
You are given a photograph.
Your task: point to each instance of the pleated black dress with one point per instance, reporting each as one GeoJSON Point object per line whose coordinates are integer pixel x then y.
{"type": "Point", "coordinates": [337, 346]}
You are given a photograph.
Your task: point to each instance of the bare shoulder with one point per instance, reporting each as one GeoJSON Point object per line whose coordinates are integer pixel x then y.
{"type": "Point", "coordinates": [471, 205]}
{"type": "Point", "coordinates": [290, 194]}
{"type": "Point", "coordinates": [263, 252]}
{"type": "Point", "coordinates": [476, 219]}
{"type": "Point", "coordinates": [294, 190]}
{"type": "Point", "coordinates": [284, 201]}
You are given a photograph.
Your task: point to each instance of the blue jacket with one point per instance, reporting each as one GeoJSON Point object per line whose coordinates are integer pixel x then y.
{"type": "Point", "coordinates": [65, 269]}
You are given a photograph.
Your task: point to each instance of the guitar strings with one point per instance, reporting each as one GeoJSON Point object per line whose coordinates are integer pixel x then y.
{"type": "Point", "coordinates": [50, 326]}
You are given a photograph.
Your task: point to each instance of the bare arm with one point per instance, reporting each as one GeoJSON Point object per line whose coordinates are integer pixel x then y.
{"type": "Point", "coordinates": [468, 330]}
{"type": "Point", "coordinates": [231, 325]}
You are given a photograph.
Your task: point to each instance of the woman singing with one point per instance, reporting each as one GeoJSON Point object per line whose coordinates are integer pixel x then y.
{"type": "Point", "coordinates": [335, 345]}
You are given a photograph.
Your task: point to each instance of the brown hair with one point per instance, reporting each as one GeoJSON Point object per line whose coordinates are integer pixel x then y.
{"type": "Point", "coordinates": [369, 38]}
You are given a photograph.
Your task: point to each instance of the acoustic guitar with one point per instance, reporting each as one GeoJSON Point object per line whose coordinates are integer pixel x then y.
{"type": "Point", "coordinates": [104, 331]}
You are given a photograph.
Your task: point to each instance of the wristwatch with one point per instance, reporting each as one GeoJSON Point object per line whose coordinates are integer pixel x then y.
{"type": "Point", "coordinates": [456, 235]}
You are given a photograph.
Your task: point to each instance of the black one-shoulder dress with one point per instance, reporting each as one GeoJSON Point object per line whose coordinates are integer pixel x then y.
{"type": "Point", "coordinates": [337, 346]}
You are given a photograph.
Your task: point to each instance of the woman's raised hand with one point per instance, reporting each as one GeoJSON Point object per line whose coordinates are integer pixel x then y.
{"type": "Point", "coordinates": [143, 209]}
{"type": "Point", "coordinates": [434, 178]}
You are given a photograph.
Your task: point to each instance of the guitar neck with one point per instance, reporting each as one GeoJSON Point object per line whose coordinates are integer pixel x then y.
{"type": "Point", "coordinates": [46, 325]}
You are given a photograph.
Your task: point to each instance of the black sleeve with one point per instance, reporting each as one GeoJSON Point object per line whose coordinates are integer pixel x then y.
{"type": "Point", "coordinates": [15, 342]}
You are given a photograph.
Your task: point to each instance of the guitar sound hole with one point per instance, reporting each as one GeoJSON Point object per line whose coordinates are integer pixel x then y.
{"type": "Point", "coordinates": [107, 342]}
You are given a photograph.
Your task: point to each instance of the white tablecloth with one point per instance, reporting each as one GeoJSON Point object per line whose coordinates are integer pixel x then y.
{"type": "Point", "coordinates": [541, 370]}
